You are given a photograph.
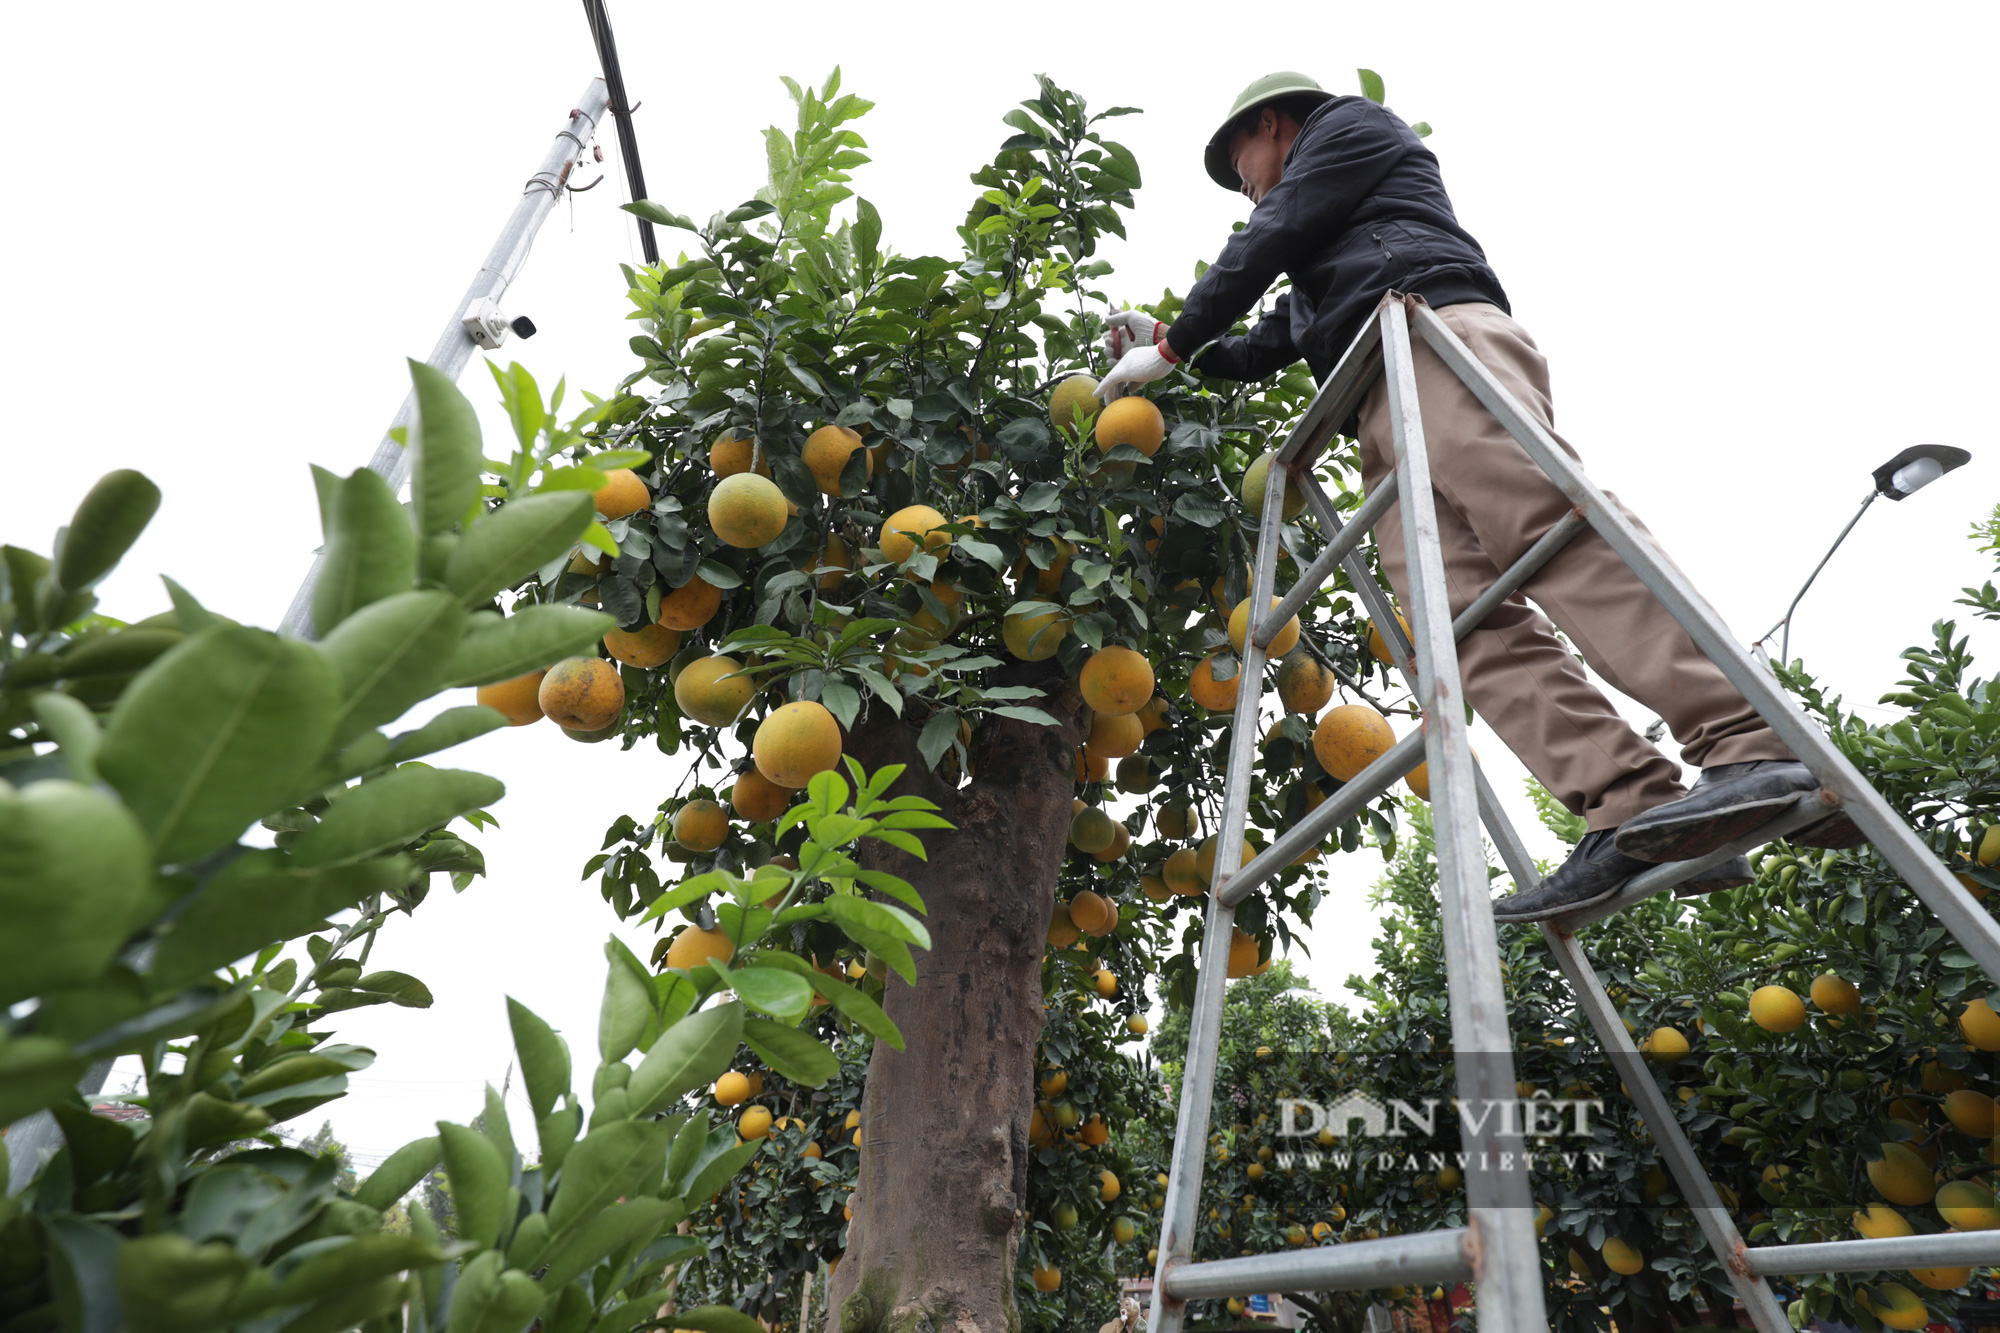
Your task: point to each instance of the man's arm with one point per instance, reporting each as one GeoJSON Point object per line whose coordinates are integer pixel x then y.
{"type": "Point", "coordinates": [1264, 350]}
{"type": "Point", "coordinates": [1337, 162]}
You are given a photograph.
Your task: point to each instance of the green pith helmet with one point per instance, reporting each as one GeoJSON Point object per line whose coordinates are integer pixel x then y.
{"type": "Point", "coordinates": [1285, 83]}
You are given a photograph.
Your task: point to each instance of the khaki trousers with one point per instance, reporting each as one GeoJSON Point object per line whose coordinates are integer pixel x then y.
{"type": "Point", "coordinates": [1493, 502]}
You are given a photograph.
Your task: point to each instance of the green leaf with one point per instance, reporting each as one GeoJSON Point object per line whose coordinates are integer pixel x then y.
{"type": "Point", "coordinates": [1371, 85]}
{"type": "Point", "coordinates": [783, 995]}
{"type": "Point", "coordinates": [363, 1259]}
{"type": "Point", "coordinates": [388, 811]}
{"type": "Point", "coordinates": [658, 215]}
{"type": "Point", "coordinates": [617, 1160]}
{"type": "Point", "coordinates": [867, 1015]}
{"type": "Point", "coordinates": [35, 1072]}
{"type": "Point", "coordinates": [454, 726]}
{"type": "Point", "coordinates": [490, 1300]}
{"type": "Point", "coordinates": [216, 733]}
{"type": "Point", "coordinates": [800, 1058]}
{"type": "Point", "coordinates": [97, 1145]}
{"type": "Point", "coordinates": [627, 1005]}
{"type": "Point", "coordinates": [938, 734]}
{"type": "Point", "coordinates": [880, 918]}
{"type": "Point", "coordinates": [530, 639]}
{"type": "Point", "coordinates": [111, 517]}
{"type": "Point", "coordinates": [399, 1173]}
{"type": "Point", "coordinates": [692, 1052]}
{"type": "Point", "coordinates": [445, 452]}
{"type": "Point", "coordinates": [478, 1182]}
{"type": "Point", "coordinates": [544, 1057]}
{"type": "Point", "coordinates": [74, 873]}
{"type": "Point", "coordinates": [371, 551]}
{"type": "Point", "coordinates": [622, 1224]}
{"type": "Point", "coordinates": [514, 541]}
{"type": "Point", "coordinates": [260, 897]}
{"type": "Point", "coordinates": [710, 1177]}
{"type": "Point", "coordinates": [169, 1284]}
{"type": "Point", "coordinates": [392, 654]}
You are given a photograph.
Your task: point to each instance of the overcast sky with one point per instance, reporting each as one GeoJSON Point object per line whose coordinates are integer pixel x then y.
{"type": "Point", "coordinates": [1752, 240]}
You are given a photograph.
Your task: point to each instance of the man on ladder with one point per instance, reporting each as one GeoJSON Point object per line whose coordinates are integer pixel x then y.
{"type": "Point", "coordinates": [1350, 205]}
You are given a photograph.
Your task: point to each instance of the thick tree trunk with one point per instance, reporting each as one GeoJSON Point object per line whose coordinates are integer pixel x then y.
{"type": "Point", "coordinates": [944, 1153]}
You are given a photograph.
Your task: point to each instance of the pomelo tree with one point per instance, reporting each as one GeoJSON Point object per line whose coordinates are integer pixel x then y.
{"type": "Point", "coordinates": [882, 516]}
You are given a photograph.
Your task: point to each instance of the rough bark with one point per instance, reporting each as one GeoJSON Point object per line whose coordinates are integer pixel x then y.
{"type": "Point", "coordinates": [944, 1153]}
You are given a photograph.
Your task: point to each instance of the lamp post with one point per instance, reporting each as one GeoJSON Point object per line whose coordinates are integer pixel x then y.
{"type": "Point", "coordinates": [1905, 474]}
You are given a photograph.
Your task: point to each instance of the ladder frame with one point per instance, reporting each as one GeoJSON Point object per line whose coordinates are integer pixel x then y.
{"type": "Point", "coordinates": [1498, 1247]}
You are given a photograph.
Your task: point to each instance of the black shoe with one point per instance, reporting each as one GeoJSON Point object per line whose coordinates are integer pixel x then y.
{"type": "Point", "coordinates": [1836, 831]}
{"type": "Point", "coordinates": [1729, 801]}
{"type": "Point", "coordinates": [1594, 871]}
{"type": "Point", "coordinates": [1731, 874]}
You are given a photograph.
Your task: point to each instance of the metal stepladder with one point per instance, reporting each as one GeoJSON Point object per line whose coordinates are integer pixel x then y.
{"type": "Point", "coordinates": [1497, 1248]}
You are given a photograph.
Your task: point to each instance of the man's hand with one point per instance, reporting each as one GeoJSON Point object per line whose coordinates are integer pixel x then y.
{"type": "Point", "coordinates": [1126, 329]}
{"type": "Point", "coordinates": [1141, 365]}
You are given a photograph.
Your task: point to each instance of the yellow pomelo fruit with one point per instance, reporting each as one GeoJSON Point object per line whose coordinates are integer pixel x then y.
{"type": "Point", "coordinates": [1835, 994]}
{"type": "Point", "coordinates": [1972, 1113]}
{"type": "Point", "coordinates": [1121, 843]}
{"type": "Point", "coordinates": [652, 646]}
{"type": "Point", "coordinates": [1183, 874]}
{"type": "Point", "coordinates": [1989, 846]}
{"type": "Point", "coordinates": [747, 510]}
{"type": "Point", "coordinates": [1239, 626]}
{"type": "Point", "coordinates": [582, 694]}
{"type": "Point", "coordinates": [1204, 859]}
{"type": "Point", "coordinates": [1667, 1046]}
{"type": "Point", "coordinates": [1177, 819]}
{"type": "Point", "coordinates": [1090, 767]}
{"type": "Point", "coordinates": [1136, 1025]}
{"type": "Point", "coordinates": [1349, 738]}
{"type": "Point", "coordinates": [1901, 1177]}
{"type": "Point", "coordinates": [1243, 950]}
{"type": "Point", "coordinates": [835, 561]}
{"type": "Point", "coordinates": [1091, 829]}
{"type": "Point", "coordinates": [518, 700]}
{"type": "Point", "coordinates": [1255, 479]}
{"type": "Point", "coordinates": [1620, 1257]}
{"type": "Point", "coordinates": [1047, 1276]}
{"type": "Point", "coordinates": [1942, 1279]}
{"type": "Point", "coordinates": [1094, 914]}
{"type": "Point", "coordinates": [796, 742]}
{"type": "Point", "coordinates": [1418, 779]}
{"type": "Point", "coordinates": [1075, 396]}
{"type": "Point", "coordinates": [1777, 1009]}
{"type": "Point", "coordinates": [1878, 1221]}
{"type": "Point", "coordinates": [1378, 648]}
{"type": "Point", "coordinates": [691, 605]}
{"type": "Point", "coordinates": [1895, 1305]}
{"type": "Point", "coordinates": [1062, 930]}
{"type": "Point", "coordinates": [622, 493]}
{"type": "Point", "coordinates": [694, 946]}
{"type": "Point", "coordinates": [1134, 421]}
{"type": "Point", "coordinates": [1035, 638]}
{"type": "Point", "coordinates": [1155, 887]}
{"type": "Point", "coordinates": [700, 826]}
{"type": "Point", "coordinates": [826, 453]}
{"type": "Point", "coordinates": [758, 799]}
{"type": "Point", "coordinates": [1116, 680]}
{"type": "Point", "coordinates": [1968, 1206]}
{"type": "Point", "coordinates": [732, 1089]}
{"type": "Point", "coordinates": [902, 530]}
{"type": "Point", "coordinates": [1980, 1025]}
{"type": "Point", "coordinates": [1304, 685]}
{"type": "Point", "coordinates": [1114, 736]}
{"type": "Point", "coordinates": [731, 453]}
{"type": "Point", "coordinates": [1106, 983]}
{"type": "Point", "coordinates": [702, 692]}
{"type": "Point", "coordinates": [754, 1123]}
{"type": "Point", "coordinates": [1137, 774]}
{"type": "Point", "coordinates": [1217, 696]}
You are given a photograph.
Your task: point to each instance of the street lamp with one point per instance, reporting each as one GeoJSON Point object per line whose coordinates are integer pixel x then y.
{"type": "Point", "coordinates": [1905, 474]}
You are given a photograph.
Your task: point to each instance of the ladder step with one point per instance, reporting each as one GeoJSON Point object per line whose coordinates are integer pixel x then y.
{"type": "Point", "coordinates": [1957, 1249]}
{"type": "Point", "coordinates": [1393, 1261]}
{"type": "Point", "coordinates": [1365, 786]}
{"type": "Point", "coordinates": [1807, 809]}
{"type": "Point", "coordinates": [1337, 550]}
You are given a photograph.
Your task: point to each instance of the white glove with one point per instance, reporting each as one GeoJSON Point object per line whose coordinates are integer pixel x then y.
{"type": "Point", "coordinates": [1141, 365]}
{"type": "Point", "coordinates": [1126, 329]}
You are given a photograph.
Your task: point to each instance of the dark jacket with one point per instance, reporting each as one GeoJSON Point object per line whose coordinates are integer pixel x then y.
{"type": "Point", "coordinates": [1361, 210]}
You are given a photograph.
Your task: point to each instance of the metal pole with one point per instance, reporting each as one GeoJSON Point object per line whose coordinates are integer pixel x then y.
{"type": "Point", "coordinates": [454, 345]}
{"type": "Point", "coordinates": [1955, 909]}
{"type": "Point", "coordinates": [1180, 1214]}
{"type": "Point", "coordinates": [1498, 1198]}
{"type": "Point", "coordinates": [1785, 621]}
{"type": "Point", "coordinates": [599, 19]}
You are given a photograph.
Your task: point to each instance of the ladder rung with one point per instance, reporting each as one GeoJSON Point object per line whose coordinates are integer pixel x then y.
{"type": "Point", "coordinates": [1337, 550]}
{"type": "Point", "coordinates": [1393, 1261]}
{"type": "Point", "coordinates": [1369, 783]}
{"type": "Point", "coordinates": [1808, 809]}
{"type": "Point", "coordinates": [1530, 564]}
{"type": "Point", "coordinates": [1955, 1249]}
